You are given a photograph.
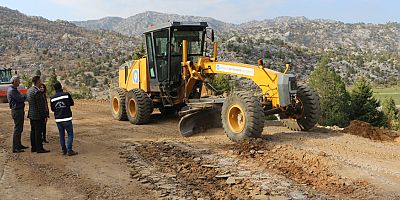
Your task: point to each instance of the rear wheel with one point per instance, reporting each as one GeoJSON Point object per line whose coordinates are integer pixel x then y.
{"type": "Point", "coordinates": [242, 116]}
{"type": "Point", "coordinates": [139, 106]}
{"type": "Point", "coordinates": [118, 104]}
{"type": "Point", "coordinates": [308, 111]}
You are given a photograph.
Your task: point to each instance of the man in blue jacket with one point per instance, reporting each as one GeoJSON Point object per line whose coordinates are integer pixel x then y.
{"type": "Point", "coordinates": [17, 105]}
{"type": "Point", "coordinates": [61, 104]}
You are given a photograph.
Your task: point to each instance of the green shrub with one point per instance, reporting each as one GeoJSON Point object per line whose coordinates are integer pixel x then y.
{"type": "Point", "coordinates": [220, 83]}
{"type": "Point", "coordinates": [391, 113]}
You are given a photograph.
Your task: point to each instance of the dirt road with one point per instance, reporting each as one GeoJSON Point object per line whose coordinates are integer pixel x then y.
{"type": "Point", "coordinates": [118, 160]}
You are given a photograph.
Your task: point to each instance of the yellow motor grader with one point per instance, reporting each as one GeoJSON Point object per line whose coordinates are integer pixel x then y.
{"type": "Point", "coordinates": [174, 77]}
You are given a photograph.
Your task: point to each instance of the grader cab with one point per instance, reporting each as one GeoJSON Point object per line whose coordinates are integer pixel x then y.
{"type": "Point", "coordinates": [174, 77]}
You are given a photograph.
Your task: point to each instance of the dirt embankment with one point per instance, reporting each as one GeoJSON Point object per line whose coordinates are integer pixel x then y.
{"type": "Point", "coordinates": [364, 129]}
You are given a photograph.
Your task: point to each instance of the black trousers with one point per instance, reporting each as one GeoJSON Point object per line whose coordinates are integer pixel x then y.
{"type": "Point", "coordinates": [44, 130]}
{"type": "Point", "coordinates": [18, 117]}
{"type": "Point", "coordinates": [36, 134]}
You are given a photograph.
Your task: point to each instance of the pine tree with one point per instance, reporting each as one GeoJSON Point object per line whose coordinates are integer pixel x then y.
{"type": "Point", "coordinates": [38, 72]}
{"type": "Point", "coordinates": [139, 53]}
{"type": "Point", "coordinates": [391, 113]}
{"type": "Point", "coordinates": [26, 81]}
{"type": "Point", "coordinates": [363, 106]}
{"type": "Point", "coordinates": [50, 83]}
{"type": "Point", "coordinates": [331, 89]}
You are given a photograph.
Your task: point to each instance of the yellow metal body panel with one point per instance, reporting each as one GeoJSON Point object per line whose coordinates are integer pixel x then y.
{"type": "Point", "coordinates": [265, 78]}
{"type": "Point", "coordinates": [137, 76]}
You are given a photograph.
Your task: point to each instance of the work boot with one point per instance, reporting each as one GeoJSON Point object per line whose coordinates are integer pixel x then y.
{"type": "Point", "coordinates": [23, 147]}
{"type": "Point", "coordinates": [43, 151]}
{"type": "Point", "coordinates": [18, 151]}
{"type": "Point", "coordinates": [72, 153]}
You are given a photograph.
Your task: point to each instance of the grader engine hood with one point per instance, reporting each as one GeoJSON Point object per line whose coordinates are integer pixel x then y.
{"type": "Point", "coordinates": [287, 86]}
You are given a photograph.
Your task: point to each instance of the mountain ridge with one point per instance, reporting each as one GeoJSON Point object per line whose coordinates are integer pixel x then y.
{"type": "Point", "coordinates": [30, 43]}
{"type": "Point", "coordinates": [300, 31]}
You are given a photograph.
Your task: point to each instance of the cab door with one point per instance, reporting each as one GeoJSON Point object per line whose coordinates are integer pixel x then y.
{"type": "Point", "coordinates": [161, 46]}
{"type": "Point", "coordinates": [151, 63]}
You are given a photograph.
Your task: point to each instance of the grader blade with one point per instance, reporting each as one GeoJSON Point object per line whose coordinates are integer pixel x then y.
{"type": "Point", "coordinates": [199, 122]}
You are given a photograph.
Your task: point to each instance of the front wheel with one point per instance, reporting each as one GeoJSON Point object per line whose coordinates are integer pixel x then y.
{"type": "Point", "coordinates": [242, 116]}
{"type": "Point", "coordinates": [308, 111]}
{"type": "Point", "coordinates": [139, 106]}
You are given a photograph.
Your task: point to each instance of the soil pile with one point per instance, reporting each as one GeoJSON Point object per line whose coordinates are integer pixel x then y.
{"type": "Point", "coordinates": [301, 166]}
{"type": "Point", "coordinates": [366, 130]}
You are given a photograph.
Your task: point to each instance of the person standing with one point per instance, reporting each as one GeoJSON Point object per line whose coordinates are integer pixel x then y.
{"type": "Point", "coordinates": [37, 115]}
{"type": "Point", "coordinates": [43, 90]}
{"type": "Point", "coordinates": [17, 105]}
{"type": "Point", "coordinates": [61, 104]}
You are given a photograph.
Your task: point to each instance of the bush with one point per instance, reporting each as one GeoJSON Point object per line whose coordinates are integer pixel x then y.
{"type": "Point", "coordinates": [83, 93]}
{"type": "Point", "coordinates": [220, 83]}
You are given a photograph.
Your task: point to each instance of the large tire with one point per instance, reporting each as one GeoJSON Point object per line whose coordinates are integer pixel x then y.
{"type": "Point", "coordinates": [311, 111]}
{"type": "Point", "coordinates": [139, 106]}
{"type": "Point", "coordinates": [118, 104]}
{"type": "Point", "coordinates": [242, 116]}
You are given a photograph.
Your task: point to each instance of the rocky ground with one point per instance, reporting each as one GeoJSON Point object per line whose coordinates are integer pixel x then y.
{"type": "Point", "coordinates": [118, 160]}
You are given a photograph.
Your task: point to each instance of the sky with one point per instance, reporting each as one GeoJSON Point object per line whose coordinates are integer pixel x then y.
{"type": "Point", "coordinates": [233, 11]}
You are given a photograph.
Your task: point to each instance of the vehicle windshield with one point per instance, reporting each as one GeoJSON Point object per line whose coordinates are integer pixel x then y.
{"type": "Point", "coordinates": [194, 41]}
{"type": "Point", "coordinates": [5, 75]}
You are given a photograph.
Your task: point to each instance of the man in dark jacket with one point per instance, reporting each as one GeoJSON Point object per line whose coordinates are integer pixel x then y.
{"type": "Point", "coordinates": [17, 105]}
{"type": "Point", "coordinates": [37, 115]}
{"type": "Point", "coordinates": [61, 104]}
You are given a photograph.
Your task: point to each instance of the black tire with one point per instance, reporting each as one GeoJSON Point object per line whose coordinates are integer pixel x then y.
{"type": "Point", "coordinates": [139, 106]}
{"type": "Point", "coordinates": [117, 102]}
{"type": "Point", "coordinates": [311, 111]}
{"type": "Point", "coordinates": [248, 126]}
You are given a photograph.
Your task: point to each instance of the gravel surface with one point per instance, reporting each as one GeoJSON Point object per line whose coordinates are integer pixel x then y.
{"type": "Point", "coordinates": [118, 160]}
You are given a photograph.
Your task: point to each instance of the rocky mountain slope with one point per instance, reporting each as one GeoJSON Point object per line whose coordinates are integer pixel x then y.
{"type": "Point", "coordinates": [370, 50]}
{"type": "Point", "coordinates": [137, 24]}
{"type": "Point", "coordinates": [88, 57]}
{"type": "Point", "coordinates": [314, 34]}
{"type": "Point", "coordinates": [81, 58]}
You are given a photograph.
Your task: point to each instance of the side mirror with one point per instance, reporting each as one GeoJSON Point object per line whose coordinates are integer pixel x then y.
{"type": "Point", "coordinates": [212, 35]}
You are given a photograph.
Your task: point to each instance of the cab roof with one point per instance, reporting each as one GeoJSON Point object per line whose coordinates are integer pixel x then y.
{"type": "Point", "coordinates": [194, 25]}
